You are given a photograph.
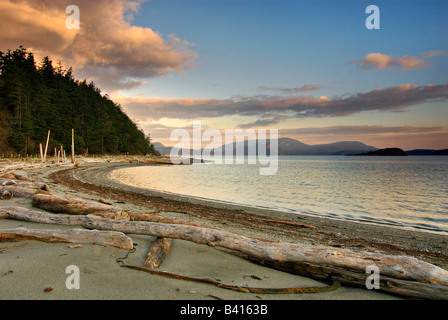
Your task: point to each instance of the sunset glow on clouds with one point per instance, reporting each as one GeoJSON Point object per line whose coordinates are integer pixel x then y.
{"type": "Point", "coordinates": [389, 99]}
{"type": "Point", "coordinates": [381, 61]}
{"type": "Point", "coordinates": [254, 64]}
{"type": "Point", "coordinates": [107, 48]}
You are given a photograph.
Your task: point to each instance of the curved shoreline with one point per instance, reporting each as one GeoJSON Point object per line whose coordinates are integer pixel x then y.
{"type": "Point", "coordinates": [275, 212]}
{"type": "Point", "coordinates": [428, 245]}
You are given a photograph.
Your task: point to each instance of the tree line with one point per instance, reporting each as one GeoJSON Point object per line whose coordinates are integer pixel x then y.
{"type": "Point", "coordinates": [37, 98]}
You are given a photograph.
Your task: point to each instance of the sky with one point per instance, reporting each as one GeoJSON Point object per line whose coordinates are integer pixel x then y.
{"type": "Point", "coordinates": [311, 69]}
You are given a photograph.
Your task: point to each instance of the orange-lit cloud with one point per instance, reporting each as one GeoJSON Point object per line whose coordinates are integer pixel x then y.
{"type": "Point", "coordinates": [380, 136]}
{"type": "Point", "coordinates": [304, 88]}
{"type": "Point", "coordinates": [380, 61]}
{"type": "Point", "coordinates": [406, 137]}
{"type": "Point", "coordinates": [107, 48]}
{"type": "Point", "coordinates": [273, 109]}
{"type": "Point", "coordinates": [36, 26]}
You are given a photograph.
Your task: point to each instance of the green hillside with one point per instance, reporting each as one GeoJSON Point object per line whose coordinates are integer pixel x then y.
{"type": "Point", "coordinates": [35, 98]}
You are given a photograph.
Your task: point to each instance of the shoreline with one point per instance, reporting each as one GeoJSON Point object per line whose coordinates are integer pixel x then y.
{"type": "Point", "coordinates": [432, 246]}
{"type": "Point", "coordinates": [279, 213]}
{"type": "Point", "coordinates": [104, 279]}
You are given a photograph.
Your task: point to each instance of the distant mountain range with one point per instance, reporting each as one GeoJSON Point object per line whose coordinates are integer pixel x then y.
{"type": "Point", "coordinates": [161, 148]}
{"type": "Point", "coordinates": [288, 146]}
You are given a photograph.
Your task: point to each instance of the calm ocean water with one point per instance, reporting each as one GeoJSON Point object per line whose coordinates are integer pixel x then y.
{"type": "Point", "coordinates": [405, 191]}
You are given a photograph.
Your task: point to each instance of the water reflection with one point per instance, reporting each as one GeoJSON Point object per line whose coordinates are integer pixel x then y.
{"type": "Point", "coordinates": [409, 191]}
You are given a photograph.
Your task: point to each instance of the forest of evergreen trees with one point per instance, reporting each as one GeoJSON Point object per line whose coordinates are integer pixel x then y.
{"type": "Point", "coordinates": [37, 98]}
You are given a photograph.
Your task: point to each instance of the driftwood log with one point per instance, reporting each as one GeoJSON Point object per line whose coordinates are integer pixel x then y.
{"type": "Point", "coordinates": [150, 217]}
{"type": "Point", "coordinates": [22, 188]}
{"type": "Point", "coordinates": [25, 184]}
{"type": "Point", "coordinates": [78, 206]}
{"type": "Point", "coordinates": [22, 192]}
{"type": "Point", "coordinates": [20, 177]}
{"type": "Point", "coordinates": [107, 238]}
{"type": "Point", "coordinates": [404, 275]}
{"type": "Point", "coordinates": [157, 253]}
{"type": "Point", "coordinates": [8, 175]}
{"type": "Point", "coordinates": [7, 182]}
{"type": "Point", "coordinates": [5, 194]}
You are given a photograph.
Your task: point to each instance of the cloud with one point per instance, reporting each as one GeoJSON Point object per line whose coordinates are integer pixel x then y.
{"type": "Point", "coordinates": [272, 108]}
{"type": "Point", "coordinates": [36, 26]}
{"type": "Point", "coordinates": [264, 120]}
{"type": "Point", "coordinates": [360, 130]}
{"type": "Point", "coordinates": [433, 54]}
{"type": "Point", "coordinates": [304, 88]}
{"type": "Point", "coordinates": [380, 61]}
{"type": "Point", "coordinates": [106, 49]}
{"type": "Point", "coordinates": [405, 137]}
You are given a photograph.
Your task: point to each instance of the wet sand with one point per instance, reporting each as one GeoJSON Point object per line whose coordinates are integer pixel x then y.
{"type": "Point", "coordinates": [27, 268]}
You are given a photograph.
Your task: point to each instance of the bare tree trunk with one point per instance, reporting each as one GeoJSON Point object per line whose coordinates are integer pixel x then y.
{"type": "Point", "coordinates": [41, 153]}
{"type": "Point", "coordinates": [46, 147]}
{"type": "Point", "coordinates": [73, 146]}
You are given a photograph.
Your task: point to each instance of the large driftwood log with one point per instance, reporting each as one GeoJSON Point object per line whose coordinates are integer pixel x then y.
{"type": "Point", "coordinates": [77, 206]}
{"type": "Point", "coordinates": [25, 184]}
{"type": "Point", "coordinates": [7, 182]}
{"type": "Point", "coordinates": [5, 194]}
{"type": "Point", "coordinates": [22, 192]}
{"type": "Point", "coordinates": [21, 178]}
{"type": "Point", "coordinates": [108, 238]}
{"type": "Point", "coordinates": [316, 261]}
{"type": "Point", "coordinates": [158, 252]}
{"type": "Point", "coordinates": [134, 216]}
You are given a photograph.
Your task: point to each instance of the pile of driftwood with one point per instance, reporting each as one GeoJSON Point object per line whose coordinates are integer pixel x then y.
{"type": "Point", "coordinates": [401, 275]}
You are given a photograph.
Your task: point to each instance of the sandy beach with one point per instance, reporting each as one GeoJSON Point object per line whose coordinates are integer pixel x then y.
{"type": "Point", "coordinates": [37, 270]}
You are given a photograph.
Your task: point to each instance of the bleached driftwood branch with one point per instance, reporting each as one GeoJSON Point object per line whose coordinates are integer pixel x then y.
{"type": "Point", "coordinates": [23, 188]}
{"type": "Point", "coordinates": [158, 252]}
{"type": "Point", "coordinates": [107, 238]}
{"type": "Point", "coordinates": [79, 206]}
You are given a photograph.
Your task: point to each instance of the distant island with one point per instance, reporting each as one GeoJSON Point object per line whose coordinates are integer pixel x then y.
{"type": "Point", "coordinates": [427, 152]}
{"type": "Point", "coordinates": [382, 152]}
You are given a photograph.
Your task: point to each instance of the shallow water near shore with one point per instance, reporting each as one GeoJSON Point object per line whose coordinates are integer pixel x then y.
{"type": "Point", "coordinates": [403, 191]}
